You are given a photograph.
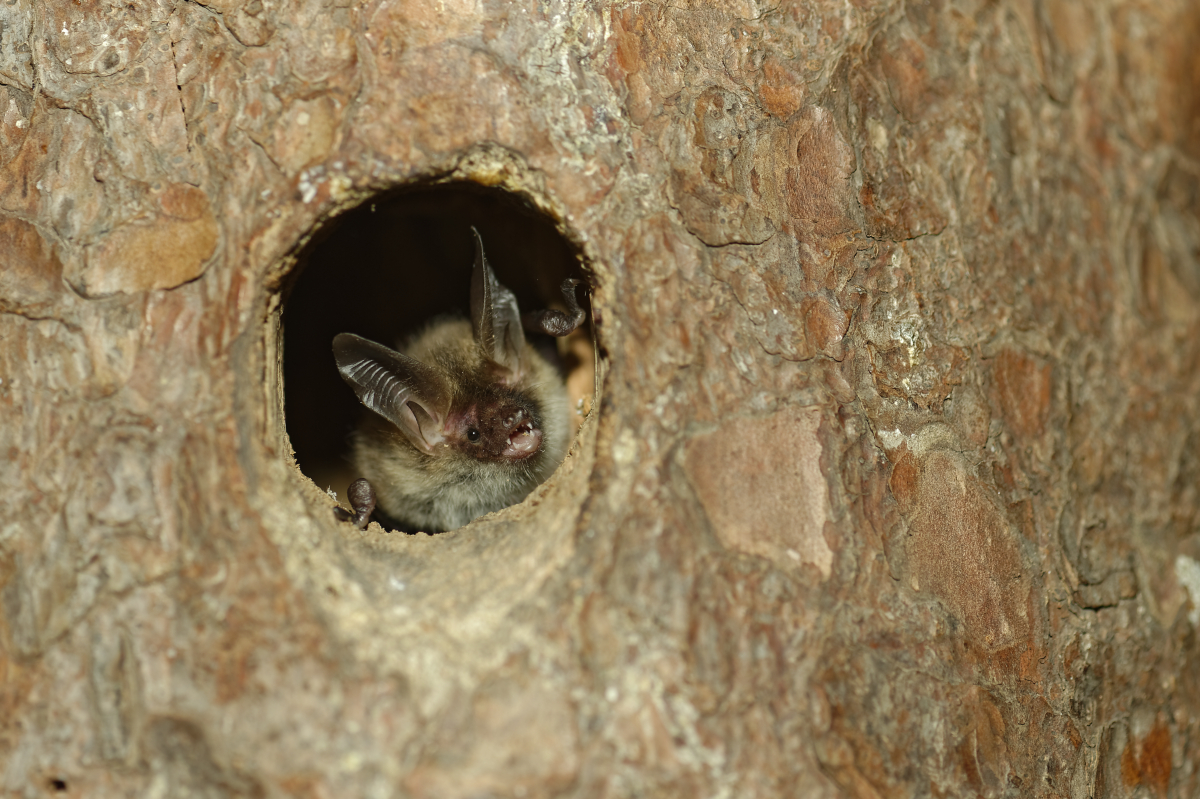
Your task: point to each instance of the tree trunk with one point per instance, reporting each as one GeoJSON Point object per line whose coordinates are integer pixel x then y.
{"type": "Point", "coordinates": [892, 487]}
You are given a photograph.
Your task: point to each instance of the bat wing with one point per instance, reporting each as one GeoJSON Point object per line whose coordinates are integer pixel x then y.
{"type": "Point", "coordinates": [495, 318]}
{"type": "Point", "coordinates": [409, 394]}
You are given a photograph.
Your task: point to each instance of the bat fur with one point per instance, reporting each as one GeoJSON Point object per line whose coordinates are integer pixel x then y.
{"type": "Point", "coordinates": [467, 418]}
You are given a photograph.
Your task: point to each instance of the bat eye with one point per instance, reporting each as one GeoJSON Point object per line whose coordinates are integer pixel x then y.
{"type": "Point", "coordinates": [472, 434]}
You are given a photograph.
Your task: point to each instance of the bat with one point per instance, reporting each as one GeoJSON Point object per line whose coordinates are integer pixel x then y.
{"type": "Point", "coordinates": [467, 419]}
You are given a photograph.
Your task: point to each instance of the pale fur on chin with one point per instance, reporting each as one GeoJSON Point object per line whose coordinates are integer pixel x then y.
{"type": "Point", "coordinates": [448, 489]}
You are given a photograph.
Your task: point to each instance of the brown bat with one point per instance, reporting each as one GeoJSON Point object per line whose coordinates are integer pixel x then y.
{"type": "Point", "coordinates": [468, 419]}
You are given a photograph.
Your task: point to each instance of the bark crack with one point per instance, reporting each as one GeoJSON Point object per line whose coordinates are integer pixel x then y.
{"type": "Point", "coordinates": [71, 326]}
{"type": "Point", "coordinates": [187, 132]}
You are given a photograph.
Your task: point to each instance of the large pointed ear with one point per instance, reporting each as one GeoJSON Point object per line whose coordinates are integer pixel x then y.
{"type": "Point", "coordinates": [495, 316]}
{"type": "Point", "coordinates": [409, 394]}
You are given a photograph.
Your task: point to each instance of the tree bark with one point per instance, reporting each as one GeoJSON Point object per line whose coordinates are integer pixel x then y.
{"type": "Point", "coordinates": [892, 488]}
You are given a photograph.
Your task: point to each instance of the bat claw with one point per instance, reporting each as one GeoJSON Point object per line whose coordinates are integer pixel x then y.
{"type": "Point", "coordinates": [362, 499]}
{"type": "Point", "coordinates": [557, 323]}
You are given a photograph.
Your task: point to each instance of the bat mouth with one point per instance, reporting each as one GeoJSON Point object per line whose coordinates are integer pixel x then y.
{"type": "Point", "coordinates": [524, 441]}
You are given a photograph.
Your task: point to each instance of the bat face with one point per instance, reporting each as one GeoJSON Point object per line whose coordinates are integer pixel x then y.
{"type": "Point", "coordinates": [501, 427]}
{"type": "Point", "coordinates": [469, 418]}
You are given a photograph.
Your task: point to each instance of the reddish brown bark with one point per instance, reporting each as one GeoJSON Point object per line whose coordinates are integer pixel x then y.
{"type": "Point", "coordinates": [892, 488]}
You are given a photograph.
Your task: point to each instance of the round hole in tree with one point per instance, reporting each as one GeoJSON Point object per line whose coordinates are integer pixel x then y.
{"type": "Point", "coordinates": [390, 271]}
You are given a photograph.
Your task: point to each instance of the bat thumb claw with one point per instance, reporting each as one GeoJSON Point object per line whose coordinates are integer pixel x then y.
{"type": "Point", "coordinates": [362, 499]}
{"type": "Point", "coordinates": [557, 323]}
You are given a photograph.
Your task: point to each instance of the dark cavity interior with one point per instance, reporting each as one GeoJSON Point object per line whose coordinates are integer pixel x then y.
{"type": "Point", "coordinates": [384, 270]}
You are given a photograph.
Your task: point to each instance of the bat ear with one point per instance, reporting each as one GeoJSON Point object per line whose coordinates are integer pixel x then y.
{"type": "Point", "coordinates": [409, 394]}
{"type": "Point", "coordinates": [495, 317]}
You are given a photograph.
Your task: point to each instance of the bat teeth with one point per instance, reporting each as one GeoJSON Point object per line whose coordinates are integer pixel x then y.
{"type": "Point", "coordinates": [524, 441]}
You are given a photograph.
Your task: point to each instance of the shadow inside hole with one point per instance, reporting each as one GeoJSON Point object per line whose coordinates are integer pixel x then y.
{"type": "Point", "coordinates": [386, 269]}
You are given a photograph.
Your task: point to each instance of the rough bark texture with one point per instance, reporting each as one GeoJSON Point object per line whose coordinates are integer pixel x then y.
{"type": "Point", "coordinates": [893, 486]}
